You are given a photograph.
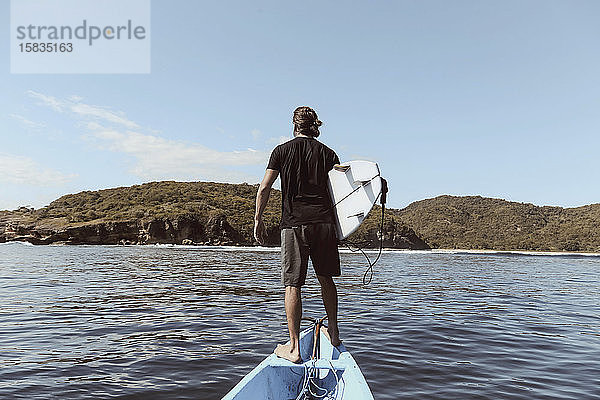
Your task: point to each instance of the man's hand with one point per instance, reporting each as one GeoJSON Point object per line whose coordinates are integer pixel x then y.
{"type": "Point", "coordinates": [260, 231]}
{"type": "Point", "coordinates": [262, 196]}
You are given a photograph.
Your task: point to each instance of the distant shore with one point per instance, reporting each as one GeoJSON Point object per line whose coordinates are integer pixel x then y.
{"type": "Point", "coordinates": [218, 214]}
{"type": "Point", "coordinates": [342, 249]}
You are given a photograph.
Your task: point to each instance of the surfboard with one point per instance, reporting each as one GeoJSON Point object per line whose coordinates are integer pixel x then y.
{"type": "Point", "coordinates": [354, 187]}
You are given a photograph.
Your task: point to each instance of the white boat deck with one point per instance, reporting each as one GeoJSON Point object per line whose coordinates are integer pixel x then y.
{"type": "Point", "coordinates": [278, 379]}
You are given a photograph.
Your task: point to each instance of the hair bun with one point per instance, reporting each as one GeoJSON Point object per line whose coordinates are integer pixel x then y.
{"type": "Point", "coordinates": [306, 121]}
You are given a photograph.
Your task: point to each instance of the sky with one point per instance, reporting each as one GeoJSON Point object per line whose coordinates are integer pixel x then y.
{"type": "Point", "coordinates": [497, 98]}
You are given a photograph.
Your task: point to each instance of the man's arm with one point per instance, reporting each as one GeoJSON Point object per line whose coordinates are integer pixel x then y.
{"type": "Point", "coordinates": [262, 197]}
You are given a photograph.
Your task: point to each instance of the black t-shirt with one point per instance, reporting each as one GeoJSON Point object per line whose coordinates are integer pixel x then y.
{"type": "Point", "coordinates": [303, 164]}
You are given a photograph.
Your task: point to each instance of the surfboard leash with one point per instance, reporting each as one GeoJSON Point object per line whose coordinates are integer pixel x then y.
{"type": "Point", "coordinates": [368, 275]}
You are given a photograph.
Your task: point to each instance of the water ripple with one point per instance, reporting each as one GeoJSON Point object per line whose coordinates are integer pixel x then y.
{"type": "Point", "coordinates": [185, 322]}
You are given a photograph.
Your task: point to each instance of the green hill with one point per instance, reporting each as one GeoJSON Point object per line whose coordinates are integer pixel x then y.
{"type": "Point", "coordinates": [219, 213]}
{"type": "Point", "coordinates": [170, 212]}
{"type": "Point", "coordinates": [162, 200]}
{"type": "Point", "coordinates": [475, 222]}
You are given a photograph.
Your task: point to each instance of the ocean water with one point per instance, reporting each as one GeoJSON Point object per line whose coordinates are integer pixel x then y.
{"type": "Point", "coordinates": [93, 322]}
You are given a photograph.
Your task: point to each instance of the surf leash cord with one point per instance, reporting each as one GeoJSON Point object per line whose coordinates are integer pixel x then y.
{"type": "Point", "coordinates": [368, 275]}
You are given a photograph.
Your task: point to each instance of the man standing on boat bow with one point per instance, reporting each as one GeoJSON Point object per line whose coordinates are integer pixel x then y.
{"type": "Point", "coordinates": [307, 223]}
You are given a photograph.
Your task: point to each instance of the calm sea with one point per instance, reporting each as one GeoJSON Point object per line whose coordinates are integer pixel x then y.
{"type": "Point", "coordinates": [149, 322]}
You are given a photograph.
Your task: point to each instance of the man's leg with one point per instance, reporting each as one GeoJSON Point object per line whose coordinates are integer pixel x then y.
{"type": "Point", "coordinates": [293, 311]}
{"type": "Point", "coordinates": [330, 301]}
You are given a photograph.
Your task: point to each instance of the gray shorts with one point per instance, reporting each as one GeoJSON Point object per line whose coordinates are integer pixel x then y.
{"type": "Point", "coordinates": [319, 241]}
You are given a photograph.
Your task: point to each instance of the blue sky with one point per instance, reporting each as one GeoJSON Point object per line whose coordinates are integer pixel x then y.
{"type": "Point", "coordinates": [495, 98]}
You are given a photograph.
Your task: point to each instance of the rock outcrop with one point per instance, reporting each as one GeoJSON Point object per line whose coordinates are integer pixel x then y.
{"type": "Point", "coordinates": [395, 235]}
{"type": "Point", "coordinates": [215, 231]}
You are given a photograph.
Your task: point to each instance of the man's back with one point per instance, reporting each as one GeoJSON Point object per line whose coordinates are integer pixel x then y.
{"type": "Point", "coordinates": [303, 164]}
{"type": "Point", "coordinates": [307, 223]}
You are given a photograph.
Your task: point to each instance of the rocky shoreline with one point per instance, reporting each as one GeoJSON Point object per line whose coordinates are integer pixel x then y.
{"type": "Point", "coordinates": [215, 231]}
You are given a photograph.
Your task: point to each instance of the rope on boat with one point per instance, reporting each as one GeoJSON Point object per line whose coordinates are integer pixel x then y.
{"type": "Point", "coordinates": [311, 371]}
{"type": "Point", "coordinates": [310, 375]}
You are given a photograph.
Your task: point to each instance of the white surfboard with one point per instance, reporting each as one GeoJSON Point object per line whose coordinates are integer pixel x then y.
{"type": "Point", "coordinates": [354, 187]}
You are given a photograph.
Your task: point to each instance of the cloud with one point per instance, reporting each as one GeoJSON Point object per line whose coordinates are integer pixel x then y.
{"type": "Point", "coordinates": [28, 123]}
{"type": "Point", "coordinates": [279, 140]}
{"type": "Point", "coordinates": [74, 105]}
{"type": "Point", "coordinates": [155, 157]}
{"type": "Point", "coordinates": [49, 101]}
{"type": "Point", "coordinates": [24, 170]}
{"type": "Point", "coordinates": [103, 114]}
{"type": "Point", "coordinates": [159, 158]}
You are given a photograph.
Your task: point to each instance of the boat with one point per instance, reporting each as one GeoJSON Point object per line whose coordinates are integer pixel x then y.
{"type": "Point", "coordinates": [325, 372]}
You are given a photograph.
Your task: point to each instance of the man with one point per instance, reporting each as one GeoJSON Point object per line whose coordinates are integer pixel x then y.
{"type": "Point", "coordinates": [307, 222]}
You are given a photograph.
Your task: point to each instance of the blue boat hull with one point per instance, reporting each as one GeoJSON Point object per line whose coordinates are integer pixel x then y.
{"type": "Point", "coordinates": [334, 373]}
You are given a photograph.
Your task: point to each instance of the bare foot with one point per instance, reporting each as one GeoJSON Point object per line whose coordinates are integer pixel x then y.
{"type": "Point", "coordinates": [334, 337]}
{"type": "Point", "coordinates": [284, 351]}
